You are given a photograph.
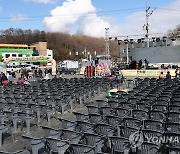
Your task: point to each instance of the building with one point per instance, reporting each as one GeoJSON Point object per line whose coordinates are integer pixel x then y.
{"type": "Point", "coordinates": [35, 53]}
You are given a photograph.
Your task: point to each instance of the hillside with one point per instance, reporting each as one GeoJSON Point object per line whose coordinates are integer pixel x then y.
{"type": "Point", "coordinates": [62, 44]}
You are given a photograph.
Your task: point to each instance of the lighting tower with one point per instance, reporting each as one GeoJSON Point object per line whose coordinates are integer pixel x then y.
{"type": "Point", "coordinates": [107, 43]}
{"type": "Point", "coordinates": [146, 26]}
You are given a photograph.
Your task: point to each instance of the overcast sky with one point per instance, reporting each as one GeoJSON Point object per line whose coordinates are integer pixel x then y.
{"type": "Point", "coordinates": [89, 17]}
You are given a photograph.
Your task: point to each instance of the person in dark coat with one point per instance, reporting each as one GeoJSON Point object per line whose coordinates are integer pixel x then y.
{"type": "Point", "coordinates": [168, 76]}
{"type": "Point", "coordinates": [4, 77]}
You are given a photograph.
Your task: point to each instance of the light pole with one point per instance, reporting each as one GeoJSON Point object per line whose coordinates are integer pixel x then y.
{"type": "Point", "coordinates": [107, 43]}
{"type": "Point", "coordinates": [127, 50]}
{"type": "Point", "coordinates": [146, 26]}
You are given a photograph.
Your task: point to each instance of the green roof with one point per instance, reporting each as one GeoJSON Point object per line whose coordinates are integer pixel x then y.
{"type": "Point", "coordinates": [19, 51]}
{"type": "Point", "coordinates": [33, 61]}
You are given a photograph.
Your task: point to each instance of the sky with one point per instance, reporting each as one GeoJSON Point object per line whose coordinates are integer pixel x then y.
{"type": "Point", "coordinates": [90, 17]}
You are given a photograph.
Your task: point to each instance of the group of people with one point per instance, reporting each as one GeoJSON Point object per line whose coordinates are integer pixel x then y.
{"type": "Point", "coordinates": [162, 76]}
{"type": "Point", "coordinates": [39, 73]}
{"type": "Point", "coordinates": [7, 79]}
{"type": "Point", "coordinates": [138, 65]}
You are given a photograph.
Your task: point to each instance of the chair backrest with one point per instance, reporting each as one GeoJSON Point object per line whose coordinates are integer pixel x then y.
{"type": "Point", "coordinates": [92, 139]}
{"type": "Point", "coordinates": [174, 108]}
{"type": "Point", "coordinates": [114, 120]}
{"type": "Point", "coordinates": [149, 148]}
{"type": "Point", "coordinates": [151, 135]}
{"type": "Point", "coordinates": [95, 118]}
{"type": "Point", "coordinates": [132, 122]}
{"type": "Point", "coordinates": [153, 125]}
{"type": "Point", "coordinates": [93, 109]}
{"type": "Point", "coordinates": [82, 149]}
{"type": "Point", "coordinates": [118, 144]}
{"type": "Point", "coordinates": [139, 114]}
{"type": "Point", "coordinates": [121, 112]}
{"type": "Point", "coordinates": [127, 131]}
{"type": "Point", "coordinates": [104, 129]}
{"type": "Point", "coordinates": [156, 115]}
{"type": "Point", "coordinates": [172, 150]}
{"type": "Point", "coordinates": [56, 144]}
{"type": "Point", "coordinates": [173, 117]}
{"type": "Point", "coordinates": [172, 127]}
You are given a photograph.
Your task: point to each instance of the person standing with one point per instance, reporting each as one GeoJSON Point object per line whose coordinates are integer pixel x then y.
{"type": "Point", "coordinates": [177, 72]}
{"type": "Point", "coordinates": [46, 71]}
{"type": "Point", "coordinates": [161, 76]}
{"type": "Point", "coordinates": [168, 76]}
{"type": "Point", "coordinates": [40, 73]}
{"type": "Point", "coordinates": [10, 78]}
{"type": "Point", "coordinates": [4, 79]}
{"type": "Point", "coordinates": [13, 73]}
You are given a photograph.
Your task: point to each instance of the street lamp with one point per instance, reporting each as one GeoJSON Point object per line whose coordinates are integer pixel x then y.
{"type": "Point", "coordinates": [127, 50]}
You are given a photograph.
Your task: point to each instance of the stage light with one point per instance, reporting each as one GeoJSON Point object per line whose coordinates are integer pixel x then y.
{"type": "Point", "coordinates": [139, 40]}
{"type": "Point", "coordinates": [157, 39]}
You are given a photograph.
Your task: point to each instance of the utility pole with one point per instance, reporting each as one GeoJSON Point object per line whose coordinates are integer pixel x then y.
{"type": "Point", "coordinates": [107, 43]}
{"type": "Point", "coordinates": [146, 26]}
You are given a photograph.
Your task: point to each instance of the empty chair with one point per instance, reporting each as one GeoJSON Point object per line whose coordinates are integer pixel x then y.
{"type": "Point", "coordinates": [150, 135]}
{"type": "Point", "coordinates": [107, 111]}
{"type": "Point", "coordinates": [172, 139]}
{"type": "Point", "coordinates": [156, 115]}
{"type": "Point", "coordinates": [175, 102]}
{"type": "Point", "coordinates": [153, 125]}
{"type": "Point", "coordinates": [174, 108]}
{"type": "Point", "coordinates": [114, 120]}
{"type": "Point", "coordinates": [102, 103]}
{"type": "Point", "coordinates": [173, 150]}
{"type": "Point", "coordinates": [172, 127]}
{"type": "Point", "coordinates": [120, 99]}
{"type": "Point", "coordinates": [85, 127]}
{"type": "Point", "coordinates": [35, 144]}
{"type": "Point", "coordinates": [104, 129]}
{"type": "Point", "coordinates": [96, 118]}
{"type": "Point", "coordinates": [82, 149]}
{"type": "Point", "coordinates": [94, 140]}
{"type": "Point", "coordinates": [164, 98]}
{"type": "Point", "coordinates": [162, 108]}
{"type": "Point", "coordinates": [132, 122]}
{"type": "Point", "coordinates": [143, 106]}
{"type": "Point", "coordinates": [133, 100]}
{"type": "Point", "coordinates": [139, 114]}
{"type": "Point", "coordinates": [160, 102]}
{"type": "Point", "coordinates": [3, 129]}
{"type": "Point", "coordinates": [121, 112]}
{"type": "Point", "coordinates": [126, 131]}
{"type": "Point", "coordinates": [93, 109]}
{"type": "Point", "coordinates": [72, 136]}
{"type": "Point", "coordinates": [119, 144]}
{"type": "Point", "coordinates": [176, 98]}
{"type": "Point", "coordinates": [56, 145]}
{"type": "Point", "coordinates": [148, 148]}
{"type": "Point", "coordinates": [66, 124]}
{"type": "Point", "coordinates": [173, 117]}
{"type": "Point", "coordinates": [81, 116]}
{"type": "Point", "coordinates": [113, 104]}
{"type": "Point", "coordinates": [125, 105]}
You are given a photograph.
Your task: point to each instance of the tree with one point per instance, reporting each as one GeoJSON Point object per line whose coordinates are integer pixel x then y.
{"type": "Point", "coordinates": [60, 43]}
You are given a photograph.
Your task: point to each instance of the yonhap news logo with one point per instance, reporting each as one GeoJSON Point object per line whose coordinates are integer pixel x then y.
{"type": "Point", "coordinates": [137, 138]}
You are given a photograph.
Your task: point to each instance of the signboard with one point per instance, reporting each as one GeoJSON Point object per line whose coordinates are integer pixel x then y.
{"type": "Point", "coordinates": [146, 73]}
{"type": "Point", "coordinates": [29, 58]}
